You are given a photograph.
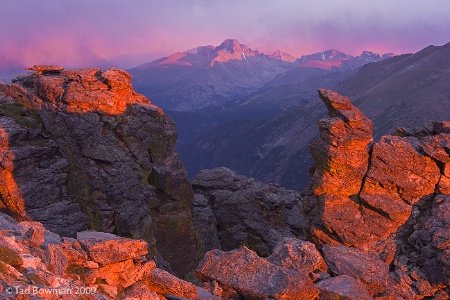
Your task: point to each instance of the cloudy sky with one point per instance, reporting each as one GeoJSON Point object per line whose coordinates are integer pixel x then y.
{"type": "Point", "coordinates": [127, 33]}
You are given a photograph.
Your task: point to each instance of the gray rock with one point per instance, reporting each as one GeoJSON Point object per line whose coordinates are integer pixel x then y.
{"type": "Point", "coordinates": [248, 212]}
{"type": "Point", "coordinates": [342, 287]}
{"type": "Point", "coordinates": [362, 266]}
{"type": "Point", "coordinates": [34, 174]}
{"type": "Point", "coordinates": [205, 225]}
{"type": "Point", "coordinates": [6, 222]}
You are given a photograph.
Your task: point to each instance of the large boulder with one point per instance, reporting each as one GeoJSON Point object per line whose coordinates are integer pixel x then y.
{"type": "Point", "coordinates": [361, 193]}
{"type": "Point", "coordinates": [254, 277]}
{"type": "Point", "coordinates": [367, 268]}
{"type": "Point", "coordinates": [106, 248]}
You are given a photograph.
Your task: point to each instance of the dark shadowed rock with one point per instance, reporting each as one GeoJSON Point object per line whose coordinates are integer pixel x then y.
{"type": "Point", "coordinates": [367, 268]}
{"type": "Point", "coordinates": [248, 212]}
{"type": "Point", "coordinates": [254, 277]}
{"type": "Point", "coordinates": [422, 262]}
{"type": "Point", "coordinates": [342, 287]}
{"type": "Point", "coordinates": [205, 225]}
{"type": "Point", "coordinates": [33, 174]}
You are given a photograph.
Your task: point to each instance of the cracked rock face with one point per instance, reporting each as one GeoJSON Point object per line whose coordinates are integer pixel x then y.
{"type": "Point", "coordinates": [361, 193]}
{"type": "Point", "coordinates": [388, 198]}
{"type": "Point", "coordinates": [113, 152]}
{"type": "Point", "coordinates": [342, 159]}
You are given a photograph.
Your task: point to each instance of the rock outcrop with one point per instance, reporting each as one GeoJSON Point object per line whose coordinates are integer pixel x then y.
{"type": "Point", "coordinates": [81, 149]}
{"type": "Point", "coordinates": [342, 159]}
{"type": "Point", "coordinates": [387, 198]}
{"type": "Point", "coordinates": [40, 264]}
{"type": "Point", "coordinates": [246, 212]}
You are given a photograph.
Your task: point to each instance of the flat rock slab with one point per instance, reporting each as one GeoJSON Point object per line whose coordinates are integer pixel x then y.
{"type": "Point", "coordinates": [106, 248]}
{"type": "Point", "coordinates": [343, 288]}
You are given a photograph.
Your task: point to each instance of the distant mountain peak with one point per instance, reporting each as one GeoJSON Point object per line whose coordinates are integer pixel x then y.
{"type": "Point", "coordinates": [282, 56]}
{"type": "Point", "coordinates": [334, 54]}
{"type": "Point", "coordinates": [332, 59]}
{"type": "Point", "coordinates": [233, 46]}
{"type": "Point", "coordinates": [369, 56]}
{"type": "Point", "coordinates": [323, 60]}
{"type": "Point", "coordinates": [201, 50]}
{"type": "Point", "coordinates": [328, 55]}
{"type": "Point", "coordinates": [231, 49]}
{"type": "Point", "coordinates": [230, 45]}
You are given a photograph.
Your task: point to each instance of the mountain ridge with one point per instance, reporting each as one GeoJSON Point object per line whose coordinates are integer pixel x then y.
{"type": "Point", "coordinates": [208, 76]}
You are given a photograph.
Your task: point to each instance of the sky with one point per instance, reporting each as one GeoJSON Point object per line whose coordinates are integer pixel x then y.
{"type": "Point", "coordinates": [127, 33]}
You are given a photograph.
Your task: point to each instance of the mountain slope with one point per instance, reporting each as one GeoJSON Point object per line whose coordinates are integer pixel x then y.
{"type": "Point", "coordinates": [404, 91]}
{"type": "Point", "coordinates": [408, 89]}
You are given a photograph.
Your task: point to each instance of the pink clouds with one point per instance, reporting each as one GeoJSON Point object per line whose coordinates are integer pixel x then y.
{"type": "Point", "coordinates": [124, 34]}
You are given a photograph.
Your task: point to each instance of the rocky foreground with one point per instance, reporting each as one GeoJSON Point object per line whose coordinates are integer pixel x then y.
{"type": "Point", "coordinates": [94, 204]}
